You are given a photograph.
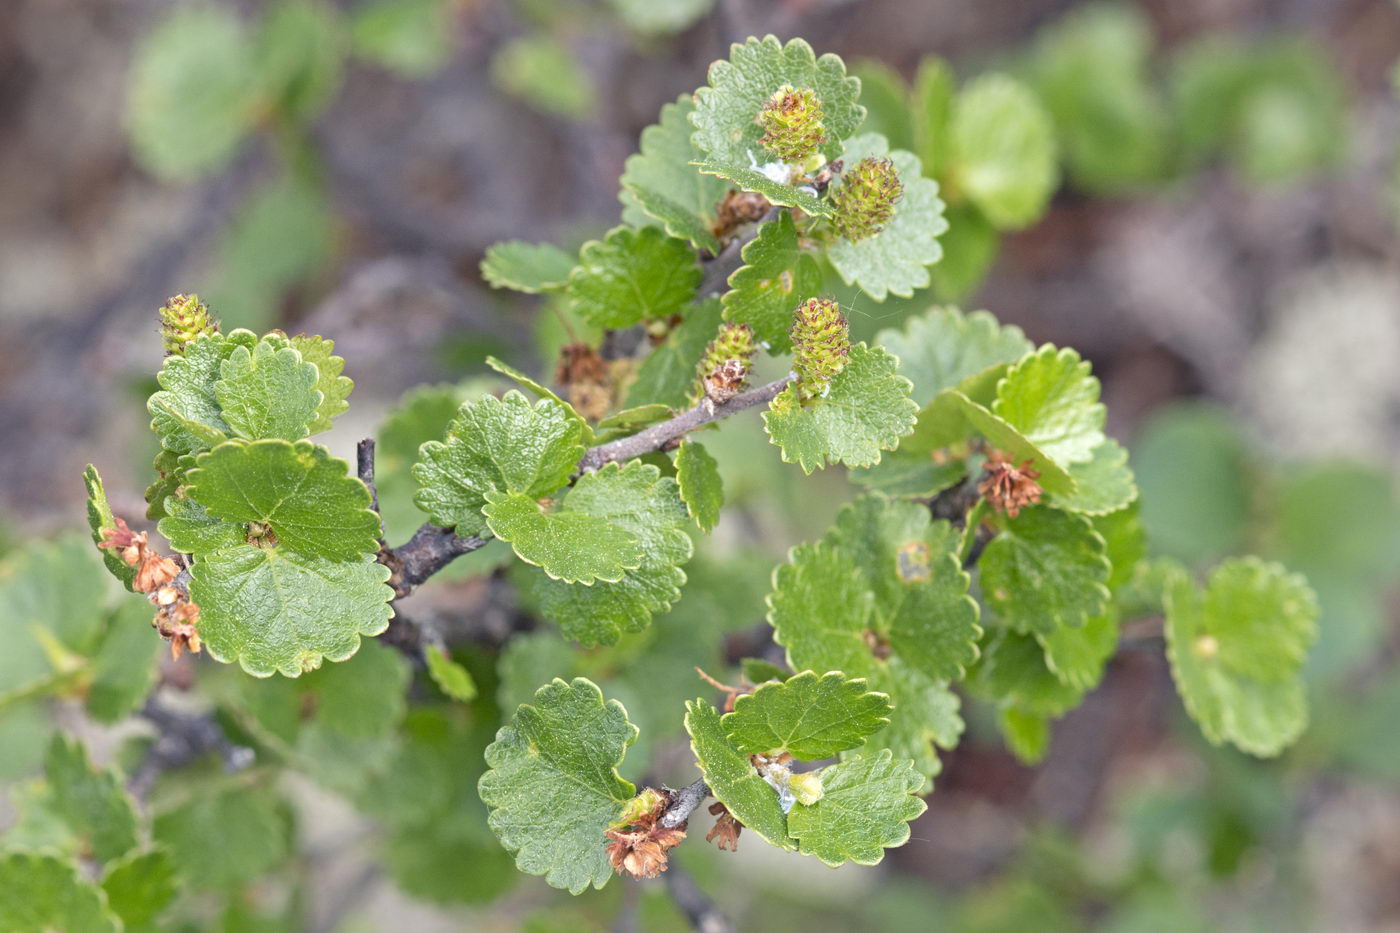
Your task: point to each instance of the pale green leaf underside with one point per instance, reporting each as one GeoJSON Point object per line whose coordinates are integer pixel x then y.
{"type": "Point", "coordinates": [911, 565]}
{"type": "Point", "coordinates": [866, 409]}
{"type": "Point", "coordinates": [668, 375]}
{"type": "Point", "coordinates": [700, 485]}
{"type": "Point", "coordinates": [952, 418]}
{"type": "Point", "coordinates": [939, 349]}
{"type": "Point", "coordinates": [808, 716]}
{"type": "Point", "coordinates": [925, 714]}
{"type": "Point", "coordinates": [274, 610]}
{"type": "Point", "coordinates": [527, 267]}
{"type": "Point", "coordinates": [1051, 398]}
{"type": "Point", "coordinates": [267, 392]}
{"type": "Point", "coordinates": [1027, 734]}
{"type": "Point", "coordinates": [776, 277]}
{"type": "Point", "coordinates": [553, 785]}
{"type": "Point", "coordinates": [1263, 618]}
{"type": "Point", "coordinates": [1012, 672]}
{"type": "Point", "coordinates": [637, 500]}
{"type": "Point", "coordinates": [732, 778]}
{"type": "Point", "coordinates": [894, 261]}
{"type": "Point", "coordinates": [820, 608]}
{"type": "Point", "coordinates": [227, 838]}
{"type": "Point", "coordinates": [307, 496]}
{"type": "Point", "coordinates": [1077, 655]}
{"type": "Point", "coordinates": [725, 112]}
{"type": "Point", "coordinates": [660, 184]}
{"type": "Point", "coordinates": [140, 887]}
{"type": "Point", "coordinates": [631, 276]}
{"type": "Point", "coordinates": [452, 678]}
{"type": "Point", "coordinates": [571, 546]}
{"type": "Point", "coordinates": [675, 219]}
{"type": "Point", "coordinates": [1045, 569]}
{"type": "Point", "coordinates": [496, 444]}
{"type": "Point", "coordinates": [910, 473]}
{"type": "Point", "coordinates": [865, 808]}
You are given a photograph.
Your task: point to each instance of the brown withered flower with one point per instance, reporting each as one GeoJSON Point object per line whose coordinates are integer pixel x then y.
{"type": "Point", "coordinates": [152, 570]}
{"type": "Point", "coordinates": [176, 616]}
{"type": "Point", "coordinates": [736, 209]}
{"type": "Point", "coordinates": [638, 843]}
{"type": "Point", "coordinates": [725, 834]}
{"type": "Point", "coordinates": [725, 381]}
{"type": "Point", "coordinates": [176, 622]}
{"type": "Point", "coordinates": [1007, 487]}
{"type": "Point", "coordinates": [584, 376]}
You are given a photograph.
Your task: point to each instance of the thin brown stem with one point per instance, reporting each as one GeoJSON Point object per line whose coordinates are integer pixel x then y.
{"type": "Point", "coordinates": [659, 435]}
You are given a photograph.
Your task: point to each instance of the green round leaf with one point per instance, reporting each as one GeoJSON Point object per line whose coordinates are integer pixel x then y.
{"type": "Point", "coordinates": [496, 444]}
{"type": "Point", "coordinates": [314, 507]}
{"type": "Point", "coordinates": [699, 483]}
{"type": "Point", "coordinates": [277, 610]}
{"type": "Point", "coordinates": [808, 716]}
{"type": "Point", "coordinates": [633, 275]}
{"type": "Point", "coordinates": [553, 785]}
{"type": "Point", "coordinates": [865, 808]}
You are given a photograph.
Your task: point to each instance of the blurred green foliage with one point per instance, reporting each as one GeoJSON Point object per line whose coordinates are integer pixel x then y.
{"type": "Point", "coordinates": [1092, 99]}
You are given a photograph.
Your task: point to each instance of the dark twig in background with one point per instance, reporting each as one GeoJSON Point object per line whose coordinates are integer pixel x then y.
{"type": "Point", "coordinates": [182, 738]}
{"type": "Point", "coordinates": [702, 913]}
{"type": "Point", "coordinates": [364, 467]}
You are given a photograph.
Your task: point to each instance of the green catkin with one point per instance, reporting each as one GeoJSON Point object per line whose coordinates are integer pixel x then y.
{"type": "Point", "coordinates": [723, 370]}
{"type": "Point", "coordinates": [792, 123]}
{"type": "Point", "coordinates": [821, 344]}
{"type": "Point", "coordinates": [182, 319]}
{"type": "Point", "coordinates": [865, 199]}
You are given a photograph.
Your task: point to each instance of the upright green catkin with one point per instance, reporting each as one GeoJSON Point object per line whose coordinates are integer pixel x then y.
{"type": "Point", "coordinates": [724, 369]}
{"type": "Point", "coordinates": [865, 199]}
{"type": "Point", "coordinates": [821, 344]}
{"type": "Point", "coordinates": [182, 319]}
{"type": "Point", "coordinates": [792, 123]}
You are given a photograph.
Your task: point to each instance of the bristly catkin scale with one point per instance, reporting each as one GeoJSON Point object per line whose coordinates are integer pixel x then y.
{"type": "Point", "coordinates": [821, 344]}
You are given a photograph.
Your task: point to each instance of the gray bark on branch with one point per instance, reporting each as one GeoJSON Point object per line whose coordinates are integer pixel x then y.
{"type": "Point", "coordinates": [684, 802]}
{"type": "Point", "coordinates": [432, 548]}
{"type": "Point", "coordinates": [659, 435]}
{"type": "Point", "coordinates": [702, 913]}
